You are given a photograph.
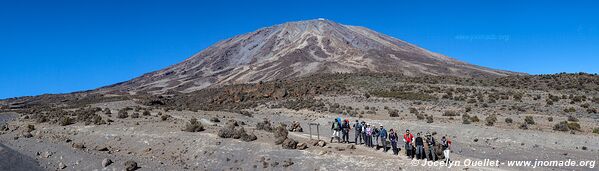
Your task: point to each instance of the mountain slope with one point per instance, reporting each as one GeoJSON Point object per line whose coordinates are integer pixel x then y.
{"type": "Point", "coordinates": [296, 49]}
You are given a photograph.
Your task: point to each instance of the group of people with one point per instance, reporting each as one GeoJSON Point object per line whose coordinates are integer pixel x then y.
{"type": "Point", "coordinates": [370, 136]}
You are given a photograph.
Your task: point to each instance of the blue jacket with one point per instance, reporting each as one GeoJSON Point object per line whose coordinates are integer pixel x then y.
{"type": "Point", "coordinates": [383, 133]}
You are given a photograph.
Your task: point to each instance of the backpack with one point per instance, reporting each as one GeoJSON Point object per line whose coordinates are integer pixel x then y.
{"type": "Point", "coordinates": [358, 127]}
{"type": "Point", "coordinates": [336, 125]}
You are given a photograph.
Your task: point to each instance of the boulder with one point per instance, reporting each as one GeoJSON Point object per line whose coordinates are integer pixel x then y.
{"type": "Point", "coordinates": [302, 146]}
{"type": "Point", "coordinates": [130, 165]}
{"type": "Point", "coordinates": [101, 148]}
{"type": "Point", "coordinates": [78, 145]}
{"type": "Point", "coordinates": [62, 165]}
{"type": "Point", "coordinates": [289, 144]}
{"type": "Point", "coordinates": [296, 127]}
{"type": "Point", "coordinates": [322, 143]}
{"type": "Point", "coordinates": [106, 162]}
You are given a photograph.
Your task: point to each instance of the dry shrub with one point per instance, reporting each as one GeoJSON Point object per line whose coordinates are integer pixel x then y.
{"type": "Point", "coordinates": [529, 120]}
{"type": "Point", "coordinates": [491, 119]}
{"type": "Point", "coordinates": [264, 125]}
{"type": "Point", "coordinates": [450, 113]}
{"type": "Point", "coordinates": [509, 120]}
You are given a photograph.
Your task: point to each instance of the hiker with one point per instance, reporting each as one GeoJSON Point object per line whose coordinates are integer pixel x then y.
{"type": "Point", "coordinates": [430, 140]}
{"type": "Point", "coordinates": [407, 138]}
{"type": "Point", "coordinates": [419, 142]}
{"type": "Point", "coordinates": [345, 131]}
{"type": "Point", "coordinates": [383, 137]}
{"type": "Point", "coordinates": [363, 131]}
{"type": "Point", "coordinates": [336, 127]}
{"type": "Point", "coordinates": [358, 130]}
{"type": "Point", "coordinates": [446, 146]}
{"type": "Point", "coordinates": [368, 136]}
{"type": "Point", "coordinates": [393, 138]}
{"type": "Point", "coordinates": [375, 133]}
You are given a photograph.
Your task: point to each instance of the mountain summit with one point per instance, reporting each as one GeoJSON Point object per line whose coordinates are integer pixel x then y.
{"type": "Point", "coordinates": [301, 48]}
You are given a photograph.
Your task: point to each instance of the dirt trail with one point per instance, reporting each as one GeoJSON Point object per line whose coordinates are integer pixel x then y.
{"type": "Point", "coordinates": [11, 159]}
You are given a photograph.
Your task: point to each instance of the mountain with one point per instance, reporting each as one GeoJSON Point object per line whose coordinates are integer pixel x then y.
{"type": "Point", "coordinates": [297, 49]}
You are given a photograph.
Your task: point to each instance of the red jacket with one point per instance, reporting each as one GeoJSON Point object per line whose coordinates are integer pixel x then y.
{"type": "Point", "coordinates": [408, 137]}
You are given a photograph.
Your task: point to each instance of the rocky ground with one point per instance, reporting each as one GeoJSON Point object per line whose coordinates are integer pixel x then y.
{"type": "Point", "coordinates": [255, 126]}
{"type": "Point", "coordinates": [157, 144]}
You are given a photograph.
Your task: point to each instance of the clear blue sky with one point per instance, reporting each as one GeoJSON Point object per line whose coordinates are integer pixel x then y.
{"type": "Point", "coordinates": [63, 46]}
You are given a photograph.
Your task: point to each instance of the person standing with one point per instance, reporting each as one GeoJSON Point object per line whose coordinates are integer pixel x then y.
{"type": "Point", "coordinates": [446, 146]}
{"type": "Point", "coordinates": [335, 127]}
{"type": "Point", "coordinates": [345, 131]}
{"type": "Point", "coordinates": [368, 136]}
{"type": "Point", "coordinates": [419, 142]}
{"type": "Point", "coordinates": [430, 140]}
{"type": "Point", "coordinates": [393, 139]}
{"type": "Point", "coordinates": [375, 133]}
{"type": "Point", "coordinates": [358, 132]}
{"type": "Point", "coordinates": [383, 137]}
{"type": "Point", "coordinates": [363, 131]}
{"type": "Point", "coordinates": [407, 138]}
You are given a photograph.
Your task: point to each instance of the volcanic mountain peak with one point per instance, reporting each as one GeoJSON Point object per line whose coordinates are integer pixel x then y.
{"type": "Point", "coordinates": [301, 48]}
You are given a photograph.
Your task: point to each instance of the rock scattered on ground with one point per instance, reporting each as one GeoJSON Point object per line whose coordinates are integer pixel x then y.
{"type": "Point", "coordinates": [106, 162]}
{"type": "Point", "coordinates": [130, 165]}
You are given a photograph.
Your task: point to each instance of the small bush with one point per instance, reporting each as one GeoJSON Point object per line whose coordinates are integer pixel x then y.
{"type": "Point", "coordinates": [549, 102]}
{"type": "Point", "coordinates": [570, 110]}
{"type": "Point", "coordinates": [414, 110]}
{"type": "Point", "coordinates": [466, 119]}
{"type": "Point", "coordinates": [429, 119]}
{"type": "Point", "coordinates": [107, 111]}
{"type": "Point", "coordinates": [30, 128]}
{"type": "Point", "coordinates": [474, 119]}
{"type": "Point", "coordinates": [592, 111]}
{"type": "Point", "coordinates": [146, 113]}
{"type": "Point", "coordinates": [529, 120]}
{"type": "Point", "coordinates": [574, 126]}
{"type": "Point", "coordinates": [122, 114]}
{"type": "Point", "coordinates": [420, 116]}
{"type": "Point", "coordinates": [561, 126]}
{"type": "Point", "coordinates": [165, 117]}
{"type": "Point", "coordinates": [585, 105]}
{"type": "Point", "coordinates": [193, 126]}
{"type": "Point", "coordinates": [491, 119]}
{"type": "Point", "coordinates": [65, 120]}
{"type": "Point", "coordinates": [596, 130]}
{"type": "Point", "coordinates": [264, 125]}
{"type": "Point", "coordinates": [523, 126]}
{"type": "Point", "coordinates": [97, 120]}
{"type": "Point", "coordinates": [508, 120]}
{"type": "Point", "coordinates": [394, 113]}
{"type": "Point", "coordinates": [572, 119]}
{"type": "Point", "coordinates": [450, 113]}
{"type": "Point", "coordinates": [550, 119]}
{"type": "Point", "coordinates": [135, 115]}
